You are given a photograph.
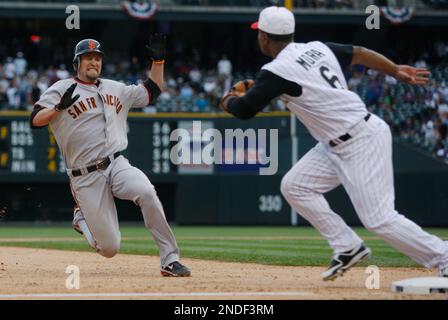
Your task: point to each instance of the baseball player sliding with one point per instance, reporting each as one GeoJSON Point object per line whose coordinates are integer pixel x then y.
{"type": "Point", "coordinates": [354, 147]}
{"type": "Point", "coordinates": [88, 117]}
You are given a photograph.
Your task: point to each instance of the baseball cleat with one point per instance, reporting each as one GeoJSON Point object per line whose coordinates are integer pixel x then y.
{"type": "Point", "coordinates": [175, 269]}
{"type": "Point", "coordinates": [343, 261]}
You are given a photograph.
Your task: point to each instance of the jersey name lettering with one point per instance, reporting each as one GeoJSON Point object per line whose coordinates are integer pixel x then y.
{"type": "Point", "coordinates": [113, 101]}
{"type": "Point", "coordinates": [82, 106]}
{"type": "Point", "coordinates": [310, 57]}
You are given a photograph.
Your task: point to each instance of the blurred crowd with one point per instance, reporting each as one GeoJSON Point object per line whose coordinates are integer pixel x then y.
{"type": "Point", "coordinates": [437, 4]}
{"type": "Point", "coordinates": [330, 4]}
{"type": "Point", "coordinates": [21, 87]}
{"type": "Point", "coordinates": [265, 3]}
{"type": "Point", "coordinates": [187, 88]}
{"type": "Point", "coordinates": [416, 114]}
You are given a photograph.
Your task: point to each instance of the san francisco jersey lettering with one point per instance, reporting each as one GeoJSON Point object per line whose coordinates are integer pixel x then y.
{"type": "Point", "coordinates": [104, 107]}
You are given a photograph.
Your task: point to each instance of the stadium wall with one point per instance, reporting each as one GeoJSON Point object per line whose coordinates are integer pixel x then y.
{"type": "Point", "coordinates": [217, 194]}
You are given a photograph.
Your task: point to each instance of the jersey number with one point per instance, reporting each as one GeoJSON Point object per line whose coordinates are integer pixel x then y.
{"type": "Point", "coordinates": [330, 77]}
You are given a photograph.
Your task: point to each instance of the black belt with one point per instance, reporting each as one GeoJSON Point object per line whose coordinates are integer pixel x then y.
{"type": "Point", "coordinates": [345, 137]}
{"type": "Point", "coordinates": [102, 165]}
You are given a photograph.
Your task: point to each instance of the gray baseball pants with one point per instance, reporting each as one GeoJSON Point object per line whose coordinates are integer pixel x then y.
{"type": "Point", "coordinates": [94, 193]}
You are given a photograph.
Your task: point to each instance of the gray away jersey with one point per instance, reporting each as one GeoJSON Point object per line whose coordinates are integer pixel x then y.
{"type": "Point", "coordinates": [326, 107]}
{"type": "Point", "coordinates": [95, 126]}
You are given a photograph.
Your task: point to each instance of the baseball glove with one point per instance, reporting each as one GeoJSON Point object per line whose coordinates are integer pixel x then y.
{"type": "Point", "coordinates": [156, 47]}
{"type": "Point", "coordinates": [238, 90]}
{"type": "Point", "coordinates": [241, 87]}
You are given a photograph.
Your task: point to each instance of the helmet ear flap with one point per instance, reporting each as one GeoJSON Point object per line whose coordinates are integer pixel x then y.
{"type": "Point", "coordinates": [76, 63]}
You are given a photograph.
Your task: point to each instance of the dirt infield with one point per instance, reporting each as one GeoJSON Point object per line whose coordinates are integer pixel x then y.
{"type": "Point", "coordinates": [37, 273]}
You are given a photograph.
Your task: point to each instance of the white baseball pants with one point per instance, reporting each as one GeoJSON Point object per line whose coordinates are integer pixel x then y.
{"type": "Point", "coordinates": [363, 165]}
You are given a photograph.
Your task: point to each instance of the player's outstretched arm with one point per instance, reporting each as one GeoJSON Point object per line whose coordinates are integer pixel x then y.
{"type": "Point", "coordinates": [156, 47]}
{"type": "Point", "coordinates": [41, 116]}
{"type": "Point", "coordinates": [377, 61]}
{"type": "Point", "coordinates": [247, 98]}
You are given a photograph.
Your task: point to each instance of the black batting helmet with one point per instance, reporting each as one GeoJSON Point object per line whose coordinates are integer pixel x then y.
{"type": "Point", "coordinates": [85, 46]}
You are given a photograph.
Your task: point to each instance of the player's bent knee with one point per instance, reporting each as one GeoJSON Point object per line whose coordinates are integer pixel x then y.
{"type": "Point", "coordinates": [291, 190]}
{"type": "Point", "coordinates": [378, 227]}
{"type": "Point", "coordinates": [150, 191]}
{"type": "Point", "coordinates": [286, 187]}
{"type": "Point", "coordinates": [147, 193]}
{"type": "Point", "coordinates": [109, 251]}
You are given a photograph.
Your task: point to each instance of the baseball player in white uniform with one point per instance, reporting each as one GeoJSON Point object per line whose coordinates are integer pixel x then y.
{"type": "Point", "coordinates": [88, 116]}
{"type": "Point", "coordinates": [354, 147]}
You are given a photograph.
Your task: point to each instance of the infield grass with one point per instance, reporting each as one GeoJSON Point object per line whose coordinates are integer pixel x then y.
{"type": "Point", "coordinates": [289, 246]}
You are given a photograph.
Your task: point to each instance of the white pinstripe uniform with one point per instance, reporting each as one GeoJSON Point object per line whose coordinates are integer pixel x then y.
{"type": "Point", "coordinates": [362, 164]}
